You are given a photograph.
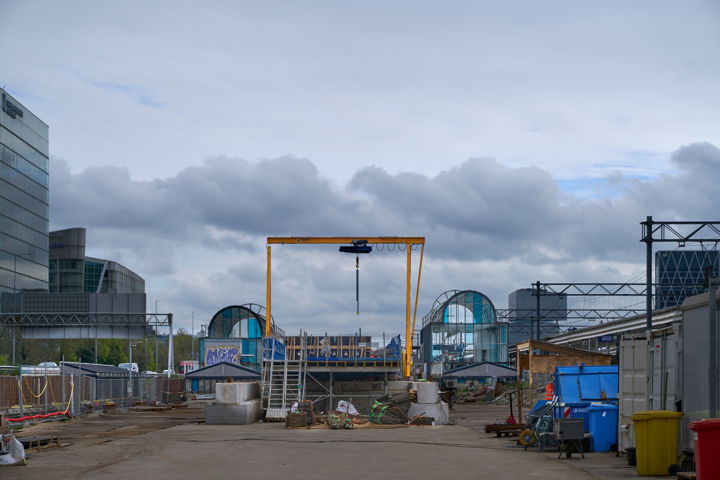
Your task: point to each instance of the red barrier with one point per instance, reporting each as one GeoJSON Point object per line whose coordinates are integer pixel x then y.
{"type": "Point", "coordinates": [32, 417]}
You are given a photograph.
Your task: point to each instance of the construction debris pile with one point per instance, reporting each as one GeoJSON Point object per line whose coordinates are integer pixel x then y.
{"type": "Point", "coordinates": [338, 420]}
{"type": "Point", "coordinates": [12, 451]}
{"type": "Point", "coordinates": [391, 409]}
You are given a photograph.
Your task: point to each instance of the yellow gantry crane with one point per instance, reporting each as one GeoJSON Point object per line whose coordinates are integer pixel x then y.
{"type": "Point", "coordinates": [409, 242]}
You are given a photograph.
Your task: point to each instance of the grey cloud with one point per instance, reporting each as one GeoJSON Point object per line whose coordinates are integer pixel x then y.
{"type": "Point", "coordinates": [480, 209]}
{"type": "Point", "coordinates": [270, 197]}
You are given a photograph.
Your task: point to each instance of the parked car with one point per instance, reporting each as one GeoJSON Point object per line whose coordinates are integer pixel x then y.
{"type": "Point", "coordinates": [150, 372]}
{"type": "Point", "coordinates": [47, 364]}
{"type": "Point", "coordinates": [168, 372]}
{"type": "Point", "coordinates": [127, 366]}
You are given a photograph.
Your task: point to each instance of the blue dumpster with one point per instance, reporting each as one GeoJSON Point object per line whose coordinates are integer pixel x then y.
{"type": "Point", "coordinates": [586, 383]}
{"type": "Point", "coordinates": [573, 410]}
{"type": "Point", "coordinates": [580, 386]}
{"type": "Point", "coordinates": [603, 420]}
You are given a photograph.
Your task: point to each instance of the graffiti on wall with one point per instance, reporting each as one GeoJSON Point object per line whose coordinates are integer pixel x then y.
{"type": "Point", "coordinates": [221, 353]}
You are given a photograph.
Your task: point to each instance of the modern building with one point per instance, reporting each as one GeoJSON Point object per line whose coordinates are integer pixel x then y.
{"type": "Point", "coordinates": [235, 335]}
{"type": "Point", "coordinates": [72, 272]}
{"type": "Point", "coordinates": [24, 167]}
{"type": "Point", "coordinates": [681, 273]}
{"type": "Point", "coordinates": [522, 306]}
{"type": "Point", "coordinates": [461, 329]}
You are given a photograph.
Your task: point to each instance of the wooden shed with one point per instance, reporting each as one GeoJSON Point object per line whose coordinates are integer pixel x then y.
{"type": "Point", "coordinates": [204, 379]}
{"type": "Point", "coordinates": [538, 357]}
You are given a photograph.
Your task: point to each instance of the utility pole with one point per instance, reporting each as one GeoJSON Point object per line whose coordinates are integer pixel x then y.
{"type": "Point", "coordinates": [129, 385]}
{"type": "Point", "coordinates": [192, 337]}
{"type": "Point", "coordinates": [171, 358]}
{"type": "Point", "coordinates": [157, 364]}
{"type": "Point", "coordinates": [537, 311]}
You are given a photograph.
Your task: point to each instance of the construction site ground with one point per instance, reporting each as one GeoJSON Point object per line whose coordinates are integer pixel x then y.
{"type": "Point", "coordinates": [176, 444]}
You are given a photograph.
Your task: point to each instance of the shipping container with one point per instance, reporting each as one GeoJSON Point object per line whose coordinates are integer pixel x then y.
{"type": "Point", "coordinates": [665, 358]}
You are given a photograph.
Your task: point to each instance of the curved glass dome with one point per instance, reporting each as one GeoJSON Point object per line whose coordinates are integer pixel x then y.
{"type": "Point", "coordinates": [462, 306]}
{"type": "Point", "coordinates": [238, 321]}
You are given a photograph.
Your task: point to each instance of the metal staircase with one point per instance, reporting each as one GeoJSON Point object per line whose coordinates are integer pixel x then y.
{"type": "Point", "coordinates": [283, 384]}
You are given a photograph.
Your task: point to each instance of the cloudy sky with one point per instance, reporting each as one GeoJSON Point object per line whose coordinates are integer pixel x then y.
{"type": "Point", "coordinates": [526, 140]}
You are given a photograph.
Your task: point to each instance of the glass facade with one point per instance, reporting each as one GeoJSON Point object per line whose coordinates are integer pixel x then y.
{"type": "Point", "coordinates": [24, 210]}
{"type": "Point", "coordinates": [462, 329]}
{"type": "Point", "coordinates": [93, 274]}
{"type": "Point", "coordinates": [681, 273]}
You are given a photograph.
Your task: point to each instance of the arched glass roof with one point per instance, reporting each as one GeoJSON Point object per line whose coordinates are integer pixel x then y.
{"type": "Point", "coordinates": [461, 306]}
{"type": "Point", "coordinates": [239, 321]}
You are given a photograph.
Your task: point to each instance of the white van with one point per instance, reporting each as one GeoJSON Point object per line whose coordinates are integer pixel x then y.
{"type": "Point", "coordinates": [127, 366]}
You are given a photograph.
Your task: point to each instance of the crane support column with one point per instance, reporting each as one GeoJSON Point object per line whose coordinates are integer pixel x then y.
{"type": "Point", "coordinates": [268, 298]}
{"type": "Point", "coordinates": [408, 332]}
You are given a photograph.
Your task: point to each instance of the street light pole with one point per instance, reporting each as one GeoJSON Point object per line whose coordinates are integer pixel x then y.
{"type": "Point", "coordinates": [192, 336]}
{"type": "Point", "coordinates": [129, 385]}
{"type": "Point", "coordinates": [157, 365]}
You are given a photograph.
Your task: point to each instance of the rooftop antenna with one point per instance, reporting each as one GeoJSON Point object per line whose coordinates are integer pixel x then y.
{"type": "Point", "coordinates": [357, 247]}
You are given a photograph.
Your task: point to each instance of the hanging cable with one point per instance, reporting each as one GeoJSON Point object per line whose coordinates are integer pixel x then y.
{"type": "Point", "coordinates": [30, 387]}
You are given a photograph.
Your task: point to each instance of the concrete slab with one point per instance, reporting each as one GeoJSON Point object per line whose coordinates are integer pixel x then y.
{"type": "Point", "coordinates": [230, 414]}
{"type": "Point", "coordinates": [236, 392]}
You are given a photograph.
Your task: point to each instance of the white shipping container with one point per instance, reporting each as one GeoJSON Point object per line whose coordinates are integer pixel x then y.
{"type": "Point", "coordinates": [635, 380]}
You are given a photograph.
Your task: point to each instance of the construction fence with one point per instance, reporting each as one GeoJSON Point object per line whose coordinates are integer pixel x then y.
{"type": "Point", "coordinates": [37, 394]}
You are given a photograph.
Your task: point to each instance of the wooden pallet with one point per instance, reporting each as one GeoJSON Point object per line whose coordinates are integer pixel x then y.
{"type": "Point", "coordinates": [504, 430]}
{"type": "Point", "coordinates": [38, 443]}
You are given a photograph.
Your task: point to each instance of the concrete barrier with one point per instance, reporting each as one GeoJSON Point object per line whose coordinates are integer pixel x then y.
{"type": "Point", "coordinates": [236, 392]}
{"type": "Point", "coordinates": [229, 414]}
{"type": "Point", "coordinates": [427, 392]}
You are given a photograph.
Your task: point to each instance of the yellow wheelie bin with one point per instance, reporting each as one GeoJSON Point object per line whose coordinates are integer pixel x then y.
{"type": "Point", "coordinates": [656, 441]}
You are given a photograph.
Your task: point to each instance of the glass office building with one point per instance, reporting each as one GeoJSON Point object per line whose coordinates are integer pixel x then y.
{"type": "Point", "coordinates": [72, 272]}
{"type": "Point", "coordinates": [24, 160]}
{"type": "Point", "coordinates": [681, 273]}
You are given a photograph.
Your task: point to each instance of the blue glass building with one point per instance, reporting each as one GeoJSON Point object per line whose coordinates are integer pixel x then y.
{"type": "Point", "coordinates": [681, 273]}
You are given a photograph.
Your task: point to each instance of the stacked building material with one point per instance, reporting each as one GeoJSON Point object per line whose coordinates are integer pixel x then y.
{"type": "Point", "coordinates": [391, 409]}
{"type": "Point", "coordinates": [235, 403]}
